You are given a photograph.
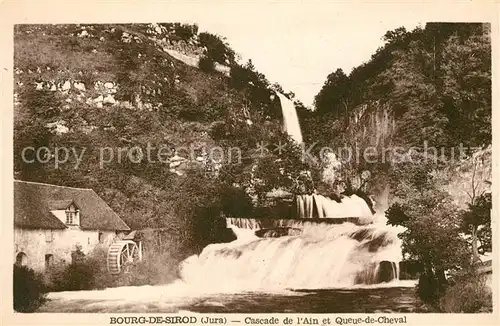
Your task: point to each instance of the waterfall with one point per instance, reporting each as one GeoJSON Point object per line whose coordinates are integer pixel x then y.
{"type": "Point", "coordinates": [319, 206]}
{"type": "Point", "coordinates": [290, 119]}
{"type": "Point", "coordinates": [321, 255]}
{"type": "Point", "coordinates": [256, 224]}
{"type": "Point", "coordinates": [329, 244]}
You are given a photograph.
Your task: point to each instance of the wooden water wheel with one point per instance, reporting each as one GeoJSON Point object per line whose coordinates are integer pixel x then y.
{"type": "Point", "coordinates": [121, 255]}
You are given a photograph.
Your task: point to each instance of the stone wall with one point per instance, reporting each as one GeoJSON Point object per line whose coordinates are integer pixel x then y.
{"type": "Point", "coordinates": [36, 243]}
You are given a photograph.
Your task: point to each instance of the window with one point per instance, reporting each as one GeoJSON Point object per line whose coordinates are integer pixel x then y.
{"type": "Point", "coordinates": [49, 261]}
{"type": "Point", "coordinates": [72, 215]}
{"type": "Point", "coordinates": [100, 237]}
{"type": "Point", "coordinates": [69, 217]}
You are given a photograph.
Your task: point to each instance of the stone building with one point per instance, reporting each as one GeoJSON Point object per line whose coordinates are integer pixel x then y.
{"type": "Point", "coordinates": [52, 222]}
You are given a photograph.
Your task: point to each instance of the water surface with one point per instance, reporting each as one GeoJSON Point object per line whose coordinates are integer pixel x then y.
{"type": "Point", "coordinates": [169, 299]}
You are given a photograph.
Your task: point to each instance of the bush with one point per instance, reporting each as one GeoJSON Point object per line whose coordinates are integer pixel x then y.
{"type": "Point", "coordinates": [236, 202]}
{"type": "Point", "coordinates": [185, 31]}
{"type": "Point", "coordinates": [29, 289]}
{"type": "Point", "coordinates": [240, 77]}
{"type": "Point", "coordinates": [92, 273]}
{"type": "Point", "coordinates": [217, 49]}
{"type": "Point", "coordinates": [155, 268]}
{"type": "Point", "coordinates": [468, 295]}
{"type": "Point", "coordinates": [74, 277]}
{"type": "Point", "coordinates": [206, 64]}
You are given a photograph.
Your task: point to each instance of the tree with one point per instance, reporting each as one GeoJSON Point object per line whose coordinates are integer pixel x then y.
{"type": "Point", "coordinates": [334, 97]}
{"type": "Point", "coordinates": [477, 223]}
{"type": "Point", "coordinates": [433, 226]}
{"type": "Point", "coordinates": [395, 35]}
{"type": "Point", "coordinates": [466, 87]}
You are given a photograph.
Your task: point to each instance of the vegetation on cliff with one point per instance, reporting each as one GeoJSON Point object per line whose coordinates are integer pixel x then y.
{"type": "Point", "coordinates": [421, 99]}
{"type": "Point", "coordinates": [435, 79]}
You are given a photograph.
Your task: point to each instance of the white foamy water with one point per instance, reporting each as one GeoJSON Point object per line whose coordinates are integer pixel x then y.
{"type": "Point", "coordinates": [321, 256]}
{"type": "Point", "coordinates": [319, 206]}
{"type": "Point", "coordinates": [291, 122]}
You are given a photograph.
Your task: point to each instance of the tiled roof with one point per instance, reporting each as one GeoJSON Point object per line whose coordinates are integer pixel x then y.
{"type": "Point", "coordinates": [34, 201]}
{"type": "Point", "coordinates": [59, 204]}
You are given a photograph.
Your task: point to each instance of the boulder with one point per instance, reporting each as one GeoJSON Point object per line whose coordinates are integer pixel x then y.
{"type": "Point", "coordinates": [83, 33]}
{"type": "Point", "coordinates": [58, 127]}
{"type": "Point", "coordinates": [66, 86]}
{"type": "Point", "coordinates": [109, 99]}
{"type": "Point", "coordinates": [61, 129]}
{"type": "Point", "coordinates": [80, 86]}
{"type": "Point", "coordinates": [98, 99]}
{"type": "Point", "coordinates": [126, 37]}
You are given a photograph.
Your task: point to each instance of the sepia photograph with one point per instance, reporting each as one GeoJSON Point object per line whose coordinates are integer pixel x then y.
{"type": "Point", "coordinates": [253, 165]}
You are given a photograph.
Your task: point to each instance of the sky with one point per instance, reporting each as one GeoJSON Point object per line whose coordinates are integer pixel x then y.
{"type": "Point", "coordinates": [299, 48]}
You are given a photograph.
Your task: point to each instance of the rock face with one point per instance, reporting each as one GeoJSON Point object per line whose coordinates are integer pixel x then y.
{"type": "Point", "coordinates": [472, 173]}
{"type": "Point", "coordinates": [382, 272]}
{"type": "Point", "coordinates": [386, 271]}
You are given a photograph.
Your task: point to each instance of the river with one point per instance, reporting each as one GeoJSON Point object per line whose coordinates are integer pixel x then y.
{"type": "Point", "coordinates": [392, 297]}
{"type": "Point", "coordinates": [293, 267]}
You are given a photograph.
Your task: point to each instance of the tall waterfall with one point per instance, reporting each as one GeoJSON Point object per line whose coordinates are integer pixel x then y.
{"type": "Point", "coordinates": [290, 119]}
{"type": "Point", "coordinates": [319, 256]}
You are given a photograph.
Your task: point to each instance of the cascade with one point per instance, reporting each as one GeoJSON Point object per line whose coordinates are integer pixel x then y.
{"type": "Point", "coordinates": [321, 255]}
{"type": "Point", "coordinates": [327, 244]}
{"type": "Point", "coordinates": [319, 206]}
